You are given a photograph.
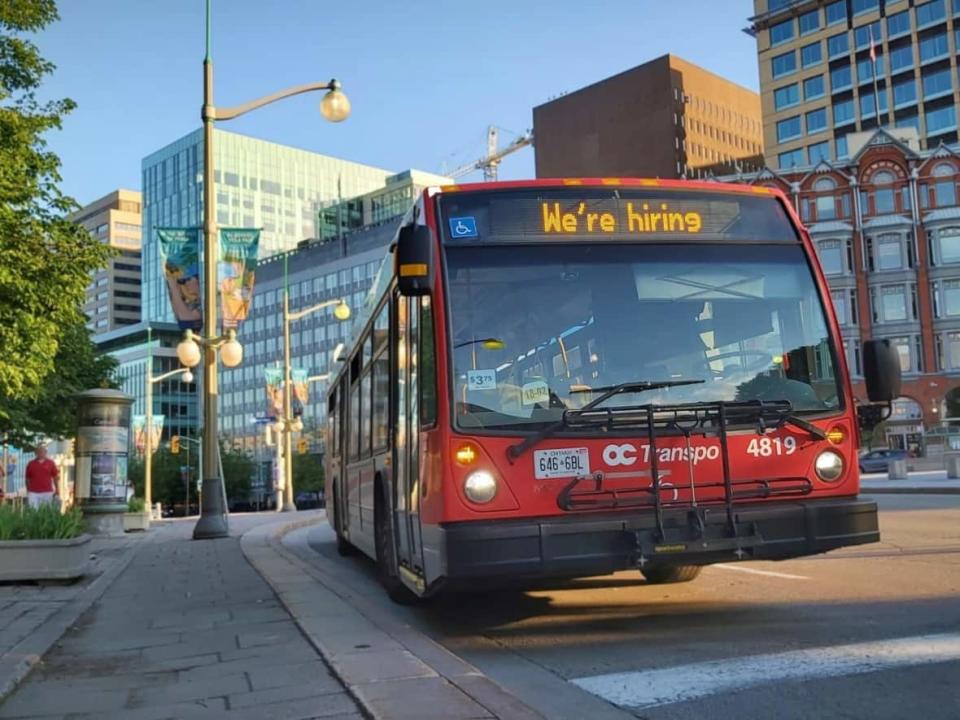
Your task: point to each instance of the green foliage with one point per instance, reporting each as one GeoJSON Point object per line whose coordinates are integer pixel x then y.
{"type": "Point", "coordinates": [51, 411]}
{"type": "Point", "coordinates": [307, 473]}
{"type": "Point", "coordinates": [136, 504]}
{"type": "Point", "coordinates": [169, 486]}
{"type": "Point", "coordinates": [238, 470]}
{"type": "Point", "coordinates": [45, 259]}
{"type": "Point", "coordinates": [42, 523]}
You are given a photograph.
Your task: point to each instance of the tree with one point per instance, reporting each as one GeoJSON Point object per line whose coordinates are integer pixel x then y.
{"type": "Point", "coordinates": [51, 409]}
{"type": "Point", "coordinates": [238, 469]}
{"type": "Point", "coordinates": [307, 473]}
{"type": "Point", "coordinates": [168, 477]}
{"type": "Point", "coordinates": [45, 259]}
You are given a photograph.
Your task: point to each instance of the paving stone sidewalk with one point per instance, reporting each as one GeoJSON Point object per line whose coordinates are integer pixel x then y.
{"type": "Point", "coordinates": [189, 629]}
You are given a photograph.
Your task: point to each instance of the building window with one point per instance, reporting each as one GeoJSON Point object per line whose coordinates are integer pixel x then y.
{"type": "Point", "coordinates": [898, 24]}
{"type": "Point", "coordinates": [867, 67]}
{"type": "Point", "coordinates": [951, 298]}
{"type": "Point", "coordinates": [841, 78]}
{"type": "Point", "coordinates": [944, 190]}
{"type": "Point", "coordinates": [912, 120]}
{"type": "Point", "coordinates": [786, 96]}
{"type": "Point", "coordinates": [788, 128]}
{"type": "Point", "coordinates": [930, 13]}
{"type": "Point", "coordinates": [942, 120]}
{"type": "Point", "coordinates": [818, 151]}
{"type": "Point", "coordinates": [843, 113]}
{"type": "Point", "coordinates": [838, 45]}
{"type": "Point", "coordinates": [888, 252]}
{"type": "Point", "coordinates": [841, 143]}
{"type": "Point", "coordinates": [937, 84]}
{"type": "Point", "coordinates": [784, 64]}
{"type": "Point", "coordinates": [904, 93]}
{"type": "Point", "coordinates": [934, 47]}
{"type": "Point", "coordinates": [952, 359]}
{"type": "Point", "coordinates": [831, 256]}
{"type": "Point", "coordinates": [902, 345]}
{"type": "Point", "coordinates": [781, 32]}
{"type": "Point", "coordinates": [836, 12]}
{"type": "Point", "coordinates": [865, 33]}
{"type": "Point", "coordinates": [862, 6]}
{"type": "Point", "coordinates": [813, 88]}
{"type": "Point", "coordinates": [868, 107]}
{"type": "Point", "coordinates": [816, 120]}
{"type": "Point", "coordinates": [883, 197]}
{"type": "Point", "coordinates": [810, 22]}
{"type": "Point", "coordinates": [948, 240]}
{"type": "Point", "coordinates": [889, 303]}
{"type": "Point", "coordinates": [811, 54]}
{"type": "Point", "coordinates": [790, 159]}
{"type": "Point", "coordinates": [851, 349]}
{"type": "Point", "coordinates": [839, 298]}
{"type": "Point", "coordinates": [901, 58]}
{"type": "Point", "coordinates": [826, 207]}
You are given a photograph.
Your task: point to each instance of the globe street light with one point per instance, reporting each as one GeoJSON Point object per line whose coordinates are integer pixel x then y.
{"type": "Point", "coordinates": [288, 424]}
{"type": "Point", "coordinates": [335, 107]}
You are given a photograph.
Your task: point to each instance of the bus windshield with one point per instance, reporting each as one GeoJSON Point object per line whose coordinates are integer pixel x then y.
{"type": "Point", "coordinates": [538, 329]}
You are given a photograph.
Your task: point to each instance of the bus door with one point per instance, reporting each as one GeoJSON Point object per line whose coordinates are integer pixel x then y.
{"type": "Point", "coordinates": [406, 460]}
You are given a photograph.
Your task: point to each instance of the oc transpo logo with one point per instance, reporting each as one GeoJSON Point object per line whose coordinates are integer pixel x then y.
{"type": "Point", "coordinates": [625, 454]}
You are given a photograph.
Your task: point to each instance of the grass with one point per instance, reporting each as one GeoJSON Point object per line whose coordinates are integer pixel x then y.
{"type": "Point", "coordinates": [42, 523]}
{"type": "Point", "coordinates": [135, 505]}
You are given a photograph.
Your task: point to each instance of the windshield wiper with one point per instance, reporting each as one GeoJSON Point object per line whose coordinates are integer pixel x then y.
{"type": "Point", "coordinates": [515, 451]}
{"type": "Point", "coordinates": [804, 425]}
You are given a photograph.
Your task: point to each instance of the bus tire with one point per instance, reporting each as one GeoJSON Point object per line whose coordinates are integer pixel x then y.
{"type": "Point", "coordinates": [665, 574]}
{"type": "Point", "coordinates": [344, 548]}
{"type": "Point", "coordinates": [387, 572]}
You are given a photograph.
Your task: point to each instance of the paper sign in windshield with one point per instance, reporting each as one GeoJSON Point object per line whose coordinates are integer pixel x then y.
{"type": "Point", "coordinates": [535, 392]}
{"type": "Point", "coordinates": [481, 379]}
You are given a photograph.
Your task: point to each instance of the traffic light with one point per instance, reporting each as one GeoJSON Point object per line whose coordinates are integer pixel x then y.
{"type": "Point", "coordinates": [175, 444]}
{"type": "Point", "coordinates": [302, 446]}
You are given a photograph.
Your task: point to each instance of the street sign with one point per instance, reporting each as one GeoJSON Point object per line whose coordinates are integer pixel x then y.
{"type": "Point", "coordinates": [264, 420]}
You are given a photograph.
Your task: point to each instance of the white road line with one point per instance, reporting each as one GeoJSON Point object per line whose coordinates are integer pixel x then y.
{"type": "Point", "coordinates": [754, 571]}
{"type": "Point", "coordinates": [689, 682]}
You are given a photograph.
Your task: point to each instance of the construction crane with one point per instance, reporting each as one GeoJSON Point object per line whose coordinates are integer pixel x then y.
{"type": "Point", "coordinates": [491, 161]}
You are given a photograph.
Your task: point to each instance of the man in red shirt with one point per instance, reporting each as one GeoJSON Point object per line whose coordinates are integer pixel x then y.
{"type": "Point", "coordinates": [42, 474]}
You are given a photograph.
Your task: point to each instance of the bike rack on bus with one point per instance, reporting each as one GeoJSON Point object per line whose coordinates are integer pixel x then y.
{"type": "Point", "coordinates": [707, 419]}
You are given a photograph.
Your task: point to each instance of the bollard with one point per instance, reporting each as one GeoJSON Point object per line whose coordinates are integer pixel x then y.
{"type": "Point", "coordinates": [953, 465]}
{"type": "Point", "coordinates": [897, 470]}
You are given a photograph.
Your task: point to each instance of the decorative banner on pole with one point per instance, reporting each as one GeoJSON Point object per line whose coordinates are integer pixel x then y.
{"type": "Point", "coordinates": [300, 390]}
{"type": "Point", "coordinates": [140, 432]}
{"type": "Point", "coordinates": [237, 273]}
{"type": "Point", "coordinates": [274, 377]}
{"type": "Point", "coordinates": [180, 249]}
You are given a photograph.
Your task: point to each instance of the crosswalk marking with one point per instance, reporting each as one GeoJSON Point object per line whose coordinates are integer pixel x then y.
{"type": "Point", "coordinates": [650, 688]}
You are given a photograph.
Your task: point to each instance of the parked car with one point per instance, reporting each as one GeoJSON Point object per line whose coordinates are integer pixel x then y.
{"type": "Point", "coordinates": [879, 460]}
{"type": "Point", "coordinates": [309, 500]}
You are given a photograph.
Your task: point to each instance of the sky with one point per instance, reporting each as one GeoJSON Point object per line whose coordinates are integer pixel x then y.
{"type": "Point", "coordinates": [425, 77]}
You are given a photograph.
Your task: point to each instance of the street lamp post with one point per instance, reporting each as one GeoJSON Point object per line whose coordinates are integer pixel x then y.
{"type": "Point", "coordinates": [288, 424]}
{"type": "Point", "coordinates": [335, 107]}
{"type": "Point", "coordinates": [148, 444]}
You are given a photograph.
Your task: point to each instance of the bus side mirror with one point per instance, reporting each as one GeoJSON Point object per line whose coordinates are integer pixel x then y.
{"type": "Point", "coordinates": [414, 260]}
{"type": "Point", "coordinates": [881, 370]}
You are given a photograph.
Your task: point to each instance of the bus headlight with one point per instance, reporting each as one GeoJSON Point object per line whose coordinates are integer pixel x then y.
{"type": "Point", "coordinates": [480, 486]}
{"type": "Point", "coordinates": [829, 465]}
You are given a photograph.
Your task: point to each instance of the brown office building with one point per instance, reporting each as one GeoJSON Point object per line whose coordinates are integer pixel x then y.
{"type": "Point", "coordinates": [666, 118]}
{"type": "Point", "coordinates": [113, 297]}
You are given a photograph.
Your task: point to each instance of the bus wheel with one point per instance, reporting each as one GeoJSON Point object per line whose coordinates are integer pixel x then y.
{"type": "Point", "coordinates": [664, 574]}
{"type": "Point", "coordinates": [387, 572]}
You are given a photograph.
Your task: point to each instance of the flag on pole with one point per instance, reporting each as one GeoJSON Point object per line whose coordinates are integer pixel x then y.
{"type": "Point", "coordinates": [237, 270]}
{"type": "Point", "coordinates": [274, 377]}
{"type": "Point", "coordinates": [180, 250]}
{"type": "Point", "coordinates": [873, 49]}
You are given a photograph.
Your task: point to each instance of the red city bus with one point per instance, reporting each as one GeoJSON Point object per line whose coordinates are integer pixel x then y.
{"type": "Point", "coordinates": [564, 378]}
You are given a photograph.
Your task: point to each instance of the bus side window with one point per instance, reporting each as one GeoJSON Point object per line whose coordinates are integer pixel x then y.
{"type": "Point", "coordinates": [381, 380]}
{"type": "Point", "coordinates": [354, 410]}
{"type": "Point", "coordinates": [428, 366]}
{"type": "Point", "coordinates": [333, 423]}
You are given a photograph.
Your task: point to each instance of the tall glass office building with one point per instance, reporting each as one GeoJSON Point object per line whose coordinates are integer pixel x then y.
{"type": "Point", "coordinates": [259, 184]}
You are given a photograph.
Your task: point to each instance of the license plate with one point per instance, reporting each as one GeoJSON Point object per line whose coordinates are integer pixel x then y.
{"type": "Point", "coordinates": [560, 463]}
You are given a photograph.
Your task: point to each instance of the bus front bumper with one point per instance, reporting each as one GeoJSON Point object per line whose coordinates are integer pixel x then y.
{"type": "Point", "coordinates": [582, 544]}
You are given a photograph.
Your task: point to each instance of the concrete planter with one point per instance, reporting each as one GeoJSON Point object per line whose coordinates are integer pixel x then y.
{"type": "Point", "coordinates": [135, 522]}
{"type": "Point", "coordinates": [44, 559]}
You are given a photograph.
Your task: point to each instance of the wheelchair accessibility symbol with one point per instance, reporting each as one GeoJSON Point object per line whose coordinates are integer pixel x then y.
{"type": "Point", "coordinates": [463, 227]}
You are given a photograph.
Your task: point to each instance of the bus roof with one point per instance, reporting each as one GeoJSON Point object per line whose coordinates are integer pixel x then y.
{"type": "Point", "coordinates": [702, 185]}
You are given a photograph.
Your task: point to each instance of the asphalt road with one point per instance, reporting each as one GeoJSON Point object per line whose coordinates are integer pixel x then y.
{"type": "Point", "coordinates": [869, 632]}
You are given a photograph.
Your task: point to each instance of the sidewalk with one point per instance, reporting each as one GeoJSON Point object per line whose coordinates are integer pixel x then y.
{"type": "Point", "coordinates": [928, 482]}
{"type": "Point", "coordinates": [188, 629]}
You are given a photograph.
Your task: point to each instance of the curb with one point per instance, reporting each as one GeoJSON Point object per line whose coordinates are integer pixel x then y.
{"type": "Point", "coordinates": [16, 664]}
{"type": "Point", "coordinates": [392, 674]}
{"type": "Point", "coordinates": [919, 490]}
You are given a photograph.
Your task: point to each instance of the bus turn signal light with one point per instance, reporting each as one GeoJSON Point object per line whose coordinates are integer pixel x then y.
{"type": "Point", "coordinates": [466, 454]}
{"type": "Point", "coordinates": [836, 435]}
